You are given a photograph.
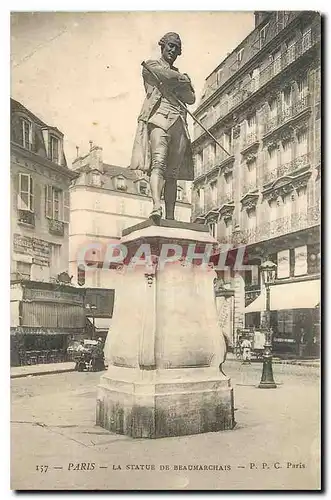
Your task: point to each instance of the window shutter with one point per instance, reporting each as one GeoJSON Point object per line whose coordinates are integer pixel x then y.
{"type": "Point", "coordinates": [31, 194]}
{"type": "Point", "coordinates": [66, 206]}
{"type": "Point", "coordinates": [23, 202]}
{"type": "Point", "coordinates": [20, 203]}
{"type": "Point", "coordinates": [48, 202]}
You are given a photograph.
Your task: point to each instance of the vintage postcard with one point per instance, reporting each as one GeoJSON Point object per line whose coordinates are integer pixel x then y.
{"type": "Point", "coordinates": [165, 172]}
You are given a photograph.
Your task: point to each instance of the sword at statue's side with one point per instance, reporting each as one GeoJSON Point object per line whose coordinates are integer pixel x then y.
{"type": "Point", "coordinates": [182, 105]}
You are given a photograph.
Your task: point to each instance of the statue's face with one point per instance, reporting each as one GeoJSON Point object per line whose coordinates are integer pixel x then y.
{"type": "Point", "coordinates": [170, 52]}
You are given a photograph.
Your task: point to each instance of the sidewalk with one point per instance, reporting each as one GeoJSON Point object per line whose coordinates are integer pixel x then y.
{"type": "Point", "coordinates": [44, 369]}
{"type": "Point", "coordinates": [315, 363]}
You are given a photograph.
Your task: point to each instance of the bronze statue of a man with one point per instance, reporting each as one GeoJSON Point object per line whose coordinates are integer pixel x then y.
{"type": "Point", "coordinates": [162, 146]}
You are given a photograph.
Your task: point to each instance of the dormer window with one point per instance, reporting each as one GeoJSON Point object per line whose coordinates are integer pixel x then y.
{"type": "Point", "coordinates": [240, 54]}
{"type": "Point", "coordinates": [54, 149]}
{"type": "Point", "coordinates": [26, 133]}
{"type": "Point", "coordinates": [121, 183]}
{"type": "Point", "coordinates": [179, 193]}
{"type": "Point", "coordinates": [96, 179]}
{"type": "Point", "coordinates": [143, 188]}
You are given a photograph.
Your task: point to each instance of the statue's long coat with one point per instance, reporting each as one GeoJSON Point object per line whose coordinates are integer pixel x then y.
{"type": "Point", "coordinates": [141, 156]}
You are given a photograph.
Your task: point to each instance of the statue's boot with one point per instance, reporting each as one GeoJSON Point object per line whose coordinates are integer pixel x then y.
{"type": "Point", "coordinates": [156, 184]}
{"type": "Point", "coordinates": [170, 195]}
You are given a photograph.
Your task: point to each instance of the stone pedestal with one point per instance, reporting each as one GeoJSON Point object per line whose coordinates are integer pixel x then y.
{"type": "Point", "coordinates": [165, 345]}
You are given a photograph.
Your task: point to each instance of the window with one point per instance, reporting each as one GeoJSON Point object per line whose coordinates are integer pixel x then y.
{"type": "Point", "coordinates": [25, 194]}
{"type": "Point", "coordinates": [277, 62]}
{"type": "Point", "coordinates": [219, 76]}
{"type": "Point", "coordinates": [121, 183]}
{"type": "Point", "coordinates": [213, 229]}
{"type": "Point", "coordinates": [251, 174]}
{"type": "Point", "coordinates": [240, 54]}
{"type": "Point", "coordinates": [251, 125]}
{"type": "Point", "coordinates": [280, 20]}
{"type": "Point", "coordinates": [228, 185]}
{"type": "Point", "coordinates": [96, 179]}
{"type": "Point", "coordinates": [201, 198]}
{"type": "Point", "coordinates": [199, 162]}
{"type": "Point", "coordinates": [263, 35]}
{"type": "Point", "coordinates": [57, 204]}
{"type": "Point", "coordinates": [81, 275]}
{"type": "Point", "coordinates": [287, 101]}
{"type": "Point", "coordinates": [179, 194]}
{"type": "Point", "coordinates": [23, 270]}
{"type": "Point", "coordinates": [285, 322]}
{"type": "Point", "coordinates": [283, 264]}
{"type": "Point", "coordinates": [302, 143]}
{"type": "Point", "coordinates": [301, 201]}
{"type": "Point", "coordinates": [290, 53]}
{"type": "Point", "coordinates": [251, 218]}
{"type": "Point", "coordinates": [273, 108]}
{"type": "Point", "coordinates": [272, 159]}
{"type": "Point", "coordinates": [255, 78]}
{"type": "Point", "coordinates": [275, 208]}
{"type": "Point", "coordinates": [54, 149]}
{"type": "Point", "coordinates": [143, 188]}
{"type": "Point", "coordinates": [26, 133]}
{"type": "Point", "coordinates": [286, 151]}
{"type": "Point", "coordinates": [306, 40]}
{"type": "Point", "coordinates": [303, 87]}
{"type": "Point", "coordinates": [213, 192]}
{"type": "Point", "coordinates": [228, 226]}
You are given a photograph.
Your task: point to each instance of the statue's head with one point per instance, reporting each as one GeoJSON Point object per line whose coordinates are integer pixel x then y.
{"type": "Point", "coordinates": [171, 47]}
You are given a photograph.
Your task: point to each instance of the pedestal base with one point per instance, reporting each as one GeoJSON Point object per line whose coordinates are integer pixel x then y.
{"type": "Point", "coordinates": [148, 404]}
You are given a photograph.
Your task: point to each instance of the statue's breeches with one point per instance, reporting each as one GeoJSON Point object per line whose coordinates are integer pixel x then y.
{"type": "Point", "coordinates": [167, 149]}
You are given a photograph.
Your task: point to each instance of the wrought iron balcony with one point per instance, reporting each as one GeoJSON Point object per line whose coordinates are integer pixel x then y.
{"type": "Point", "coordinates": [287, 114]}
{"type": "Point", "coordinates": [278, 227]}
{"type": "Point", "coordinates": [26, 217]}
{"type": "Point", "coordinates": [287, 168]}
{"type": "Point", "coordinates": [293, 53]}
{"type": "Point", "coordinates": [56, 227]}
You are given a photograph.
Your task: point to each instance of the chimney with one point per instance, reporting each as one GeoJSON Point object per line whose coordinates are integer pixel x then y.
{"type": "Point", "coordinates": [91, 161]}
{"type": "Point", "coordinates": [96, 161]}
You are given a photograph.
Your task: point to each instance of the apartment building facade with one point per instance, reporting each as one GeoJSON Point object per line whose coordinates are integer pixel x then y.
{"type": "Point", "coordinates": [263, 104]}
{"type": "Point", "coordinates": [40, 211]}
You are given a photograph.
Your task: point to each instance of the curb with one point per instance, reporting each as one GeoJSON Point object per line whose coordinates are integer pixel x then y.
{"type": "Point", "coordinates": [36, 374]}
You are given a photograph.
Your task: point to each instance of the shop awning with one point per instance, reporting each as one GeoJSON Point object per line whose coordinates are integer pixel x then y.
{"type": "Point", "coordinates": [299, 295]}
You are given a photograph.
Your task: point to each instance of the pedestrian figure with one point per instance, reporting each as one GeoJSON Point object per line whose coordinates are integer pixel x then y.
{"type": "Point", "coordinates": [246, 347]}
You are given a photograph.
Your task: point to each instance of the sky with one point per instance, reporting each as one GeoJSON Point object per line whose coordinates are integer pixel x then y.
{"type": "Point", "coordinates": [81, 73]}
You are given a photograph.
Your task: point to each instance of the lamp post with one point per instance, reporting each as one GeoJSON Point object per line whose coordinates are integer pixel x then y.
{"type": "Point", "coordinates": [268, 270]}
{"type": "Point", "coordinates": [92, 308]}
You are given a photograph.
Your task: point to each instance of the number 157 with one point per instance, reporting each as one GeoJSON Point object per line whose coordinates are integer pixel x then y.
{"type": "Point", "coordinates": [42, 468]}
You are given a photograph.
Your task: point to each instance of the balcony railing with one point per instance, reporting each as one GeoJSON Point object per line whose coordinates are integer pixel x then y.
{"type": "Point", "coordinates": [273, 69]}
{"type": "Point", "coordinates": [249, 140]}
{"type": "Point", "coordinates": [287, 114]}
{"type": "Point", "coordinates": [251, 293]}
{"type": "Point", "coordinates": [56, 227]}
{"type": "Point", "coordinates": [279, 227]}
{"type": "Point", "coordinates": [288, 168]}
{"type": "Point", "coordinates": [26, 217]}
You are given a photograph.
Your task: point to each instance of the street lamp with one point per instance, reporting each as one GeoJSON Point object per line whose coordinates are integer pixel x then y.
{"type": "Point", "coordinates": [268, 271]}
{"type": "Point", "coordinates": [91, 308]}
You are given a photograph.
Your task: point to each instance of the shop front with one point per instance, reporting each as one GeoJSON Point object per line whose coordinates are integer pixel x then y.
{"type": "Point", "coordinates": [294, 317]}
{"type": "Point", "coordinates": [44, 318]}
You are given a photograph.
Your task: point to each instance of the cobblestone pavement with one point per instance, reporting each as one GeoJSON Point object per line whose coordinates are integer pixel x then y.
{"type": "Point", "coordinates": [275, 444]}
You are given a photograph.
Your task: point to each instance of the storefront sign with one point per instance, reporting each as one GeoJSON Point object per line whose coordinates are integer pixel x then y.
{"type": "Point", "coordinates": [38, 249]}
{"type": "Point", "coordinates": [283, 264]}
{"type": "Point", "coordinates": [52, 296]}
